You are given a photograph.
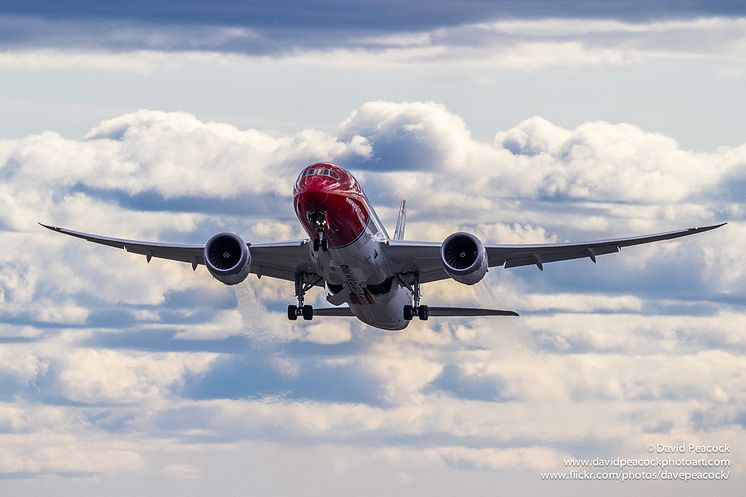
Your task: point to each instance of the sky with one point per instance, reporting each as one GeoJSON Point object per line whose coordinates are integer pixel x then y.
{"type": "Point", "coordinates": [521, 122]}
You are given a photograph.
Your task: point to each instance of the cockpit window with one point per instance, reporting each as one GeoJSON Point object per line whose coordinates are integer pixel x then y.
{"type": "Point", "coordinates": [321, 172]}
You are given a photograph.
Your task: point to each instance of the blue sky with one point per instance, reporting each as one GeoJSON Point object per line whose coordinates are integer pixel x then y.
{"type": "Point", "coordinates": [520, 122]}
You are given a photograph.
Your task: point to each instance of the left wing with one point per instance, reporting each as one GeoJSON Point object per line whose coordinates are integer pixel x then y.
{"type": "Point", "coordinates": [277, 259]}
{"type": "Point", "coordinates": [424, 257]}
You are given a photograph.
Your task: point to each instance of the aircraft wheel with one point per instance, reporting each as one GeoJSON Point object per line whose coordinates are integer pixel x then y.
{"type": "Point", "coordinates": [408, 312]}
{"type": "Point", "coordinates": [324, 245]}
{"type": "Point", "coordinates": [292, 312]}
{"type": "Point", "coordinates": [307, 312]}
{"type": "Point", "coordinates": [423, 312]}
{"type": "Point", "coordinates": [316, 244]}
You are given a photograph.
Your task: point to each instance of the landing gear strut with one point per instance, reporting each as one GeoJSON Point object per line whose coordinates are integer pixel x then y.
{"type": "Point", "coordinates": [318, 220]}
{"type": "Point", "coordinates": [416, 310]}
{"type": "Point", "coordinates": [303, 283]}
{"type": "Point", "coordinates": [320, 243]}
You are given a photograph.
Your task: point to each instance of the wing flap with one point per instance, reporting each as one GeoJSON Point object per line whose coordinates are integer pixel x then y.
{"type": "Point", "coordinates": [540, 257]}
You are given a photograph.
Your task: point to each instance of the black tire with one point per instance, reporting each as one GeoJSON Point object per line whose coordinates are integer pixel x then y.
{"type": "Point", "coordinates": [324, 245]}
{"type": "Point", "coordinates": [408, 312]}
{"type": "Point", "coordinates": [292, 312]}
{"type": "Point", "coordinates": [307, 312]}
{"type": "Point", "coordinates": [423, 312]}
{"type": "Point", "coordinates": [316, 244]}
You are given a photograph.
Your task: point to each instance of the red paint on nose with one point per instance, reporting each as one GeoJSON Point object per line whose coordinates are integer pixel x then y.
{"type": "Point", "coordinates": [333, 191]}
{"type": "Point", "coordinates": [313, 191]}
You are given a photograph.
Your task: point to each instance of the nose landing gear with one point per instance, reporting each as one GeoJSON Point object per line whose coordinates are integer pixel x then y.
{"type": "Point", "coordinates": [320, 243]}
{"type": "Point", "coordinates": [319, 221]}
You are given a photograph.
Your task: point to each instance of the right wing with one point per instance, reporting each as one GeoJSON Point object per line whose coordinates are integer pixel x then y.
{"type": "Point", "coordinates": [424, 257]}
{"type": "Point", "coordinates": [275, 259]}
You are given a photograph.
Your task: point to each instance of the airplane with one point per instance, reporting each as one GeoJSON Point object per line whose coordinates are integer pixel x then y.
{"type": "Point", "coordinates": [349, 252]}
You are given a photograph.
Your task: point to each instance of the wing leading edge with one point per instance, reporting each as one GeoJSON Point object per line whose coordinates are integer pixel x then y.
{"type": "Point", "coordinates": [425, 256]}
{"type": "Point", "coordinates": [277, 260]}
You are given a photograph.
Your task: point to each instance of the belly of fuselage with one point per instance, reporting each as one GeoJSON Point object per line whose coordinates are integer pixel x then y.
{"type": "Point", "coordinates": [374, 295]}
{"type": "Point", "coordinates": [387, 315]}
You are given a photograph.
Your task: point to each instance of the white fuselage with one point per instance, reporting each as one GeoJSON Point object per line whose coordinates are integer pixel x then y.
{"type": "Point", "coordinates": [360, 268]}
{"type": "Point", "coordinates": [331, 206]}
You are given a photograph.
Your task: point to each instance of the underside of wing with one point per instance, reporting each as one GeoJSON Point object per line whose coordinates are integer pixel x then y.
{"type": "Point", "coordinates": [193, 254]}
{"type": "Point", "coordinates": [425, 258]}
{"type": "Point", "coordinates": [523, 255]}
{"type": "Point", "coordinates": [422, 257]}
{"type": "Point", "coordinates": [282, 260]}
{"type": "Point", "coordinates": [276, 260]}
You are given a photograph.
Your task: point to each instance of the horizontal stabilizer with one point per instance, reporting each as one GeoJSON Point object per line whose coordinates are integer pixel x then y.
{"type": "Point", "coordinates": [434, 312]}
{"type": "Point", "coordinates": [467, 311]}
{"type": "Point", "coordinates": [333, 311]}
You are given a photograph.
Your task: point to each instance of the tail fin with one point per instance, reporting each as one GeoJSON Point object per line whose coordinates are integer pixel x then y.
{"type": "Point", "coordinates": [401, 221]}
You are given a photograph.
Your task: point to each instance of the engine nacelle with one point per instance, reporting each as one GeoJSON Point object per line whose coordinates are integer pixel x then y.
{"type": "Point", "coordinates": [464, 258]}
{"type": "Point", "coordinates": [227, 258]}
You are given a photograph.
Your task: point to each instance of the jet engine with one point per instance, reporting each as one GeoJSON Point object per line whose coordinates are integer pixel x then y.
{"type": "Point", "coordinates": [227, 258]}
{"type": "Point", "coordinates": [464, 258]}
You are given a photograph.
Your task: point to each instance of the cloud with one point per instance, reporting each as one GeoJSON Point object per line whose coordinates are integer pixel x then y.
{"type": "Point", "coordinates": [109, 376]}
{"type": "Point", "coordinates": [64, 455]}
{"type": "Point", "coordinates": [329, 333]}
{"type": "Point", "coordinates": [135, 367]}
{"type": "Point", "coordinates": [536, 458]}
{"type": "Point", "coordinates": [416, 135]}
{"type": "Point", "coordinates": [27, 59]}
{"type": "Point", "coordinates": [596, 161]}
{"type": "Point", "coordinates": [43, 440]}
{"type": "Point", "coordinates": [472, 40]}
{"type": "Point", "coordinates": [181, 471]}
{"type": "Point", "coordinates": [506, 39]}
{"type": "Point", "coordinates": [616, 178]}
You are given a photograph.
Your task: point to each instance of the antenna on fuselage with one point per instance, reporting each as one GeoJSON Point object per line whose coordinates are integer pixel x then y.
{"type": "Point", "coordinates": [401, 221]}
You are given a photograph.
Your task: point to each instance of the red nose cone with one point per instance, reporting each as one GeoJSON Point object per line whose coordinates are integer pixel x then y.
{"type": "Point", "coordinates": [328, 190]}
{"type": "Point", "coordinates": [313, 191]}
{"type": "Point", "coordinates": [312, 200]}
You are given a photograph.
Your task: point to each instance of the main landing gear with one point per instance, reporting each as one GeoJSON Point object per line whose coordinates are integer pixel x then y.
{"type": "Point", "coordinates": [303, 283]}
{"type": "Point", "coordinates": [416, 310]}
{"type": "Point", "coordinates": [318, 220]}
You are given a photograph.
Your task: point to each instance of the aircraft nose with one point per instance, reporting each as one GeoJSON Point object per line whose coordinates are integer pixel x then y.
{"type": "Point", "coordinates": [313, 200]}
{"type": "Point", "coordinates": [313, 192]}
